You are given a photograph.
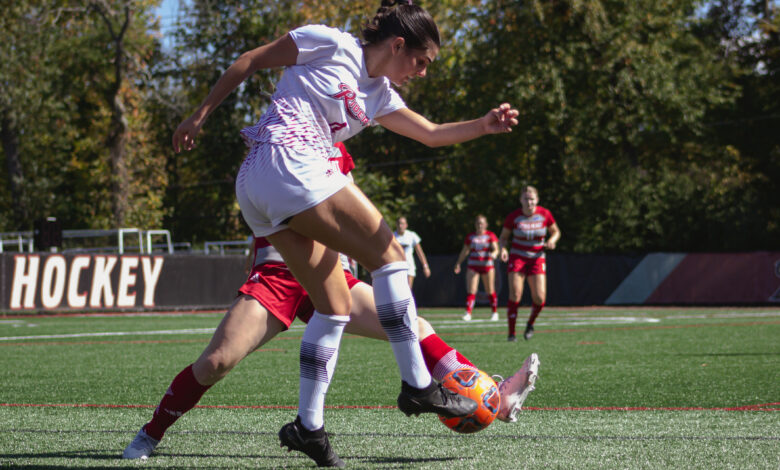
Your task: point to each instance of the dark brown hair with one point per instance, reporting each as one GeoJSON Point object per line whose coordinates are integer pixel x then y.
{"type": "Point", "coordinates": [403, 19]}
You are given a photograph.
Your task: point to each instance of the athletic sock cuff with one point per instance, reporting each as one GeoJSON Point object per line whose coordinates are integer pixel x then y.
{"type": "Point", "coordinates": [389, 269]}
{"type": "Point", "coordinates": [332, 319]}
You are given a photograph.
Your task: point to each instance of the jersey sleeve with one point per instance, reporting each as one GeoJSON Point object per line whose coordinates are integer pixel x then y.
{"type": "Point", "coordinates": [509, 222]}
{"type": "Point", "coordinates": [392, 102]}
{"type": "Point", "coordinates": [315, 42]}
{"type": "Point", "coordinates": [548, 218]}
{"type": "Point", "coordinates": [467, 240]}
{"type": "Point", "coordinates": [493, 237]}
{"type": "Point", "coordinates": [416, 239]}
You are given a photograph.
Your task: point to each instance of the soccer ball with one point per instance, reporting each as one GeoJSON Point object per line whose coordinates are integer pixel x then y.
{"type": "Point", "coordinates": [481, 388]}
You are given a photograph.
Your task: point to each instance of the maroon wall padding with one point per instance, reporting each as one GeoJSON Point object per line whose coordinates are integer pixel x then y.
{"type": "Point", "coordinates": [721, 278]}
{"type": "Point", "coordinates": [211, 282]}
{"type": "Point", "coordinates": [572, 279]}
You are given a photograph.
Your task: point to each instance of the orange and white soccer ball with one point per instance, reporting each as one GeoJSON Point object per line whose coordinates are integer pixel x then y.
{"type": "Point", "coordinates": [481, 388]}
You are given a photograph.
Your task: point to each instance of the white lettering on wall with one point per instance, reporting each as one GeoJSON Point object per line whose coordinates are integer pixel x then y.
{"type": "Point", "coordinates": [151, 276]}
{"type": "Point", "coordinates": [101, 282]}
{"type": "Point", "coordinates": [53, 281]}
{"type": "Point", "coordinates": [83, 281]}
{"type": "Point", "coordinates": [76, 300]}
{"type": "Point", "coordinates": [124, 298]}
{"type": "Point", "coordinates": [25, 279]}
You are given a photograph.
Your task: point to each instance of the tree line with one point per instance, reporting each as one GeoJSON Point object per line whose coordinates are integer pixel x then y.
{"type": "Point", "coordinates": [646, 125]}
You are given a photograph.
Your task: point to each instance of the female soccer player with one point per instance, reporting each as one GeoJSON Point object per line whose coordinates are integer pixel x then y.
{"type": "Point", "coordinates": [267, 304]}
{"type": "Point", "coordinates": [249, 324]}
{"type": "Point", "coordinates": [333, 87]}
{"type": "Point", "coordinates": [481, 247]}
{"type": "Point", "coordinates": [528, 226]}
{"type": "Point", "coordinates": [411, 243]}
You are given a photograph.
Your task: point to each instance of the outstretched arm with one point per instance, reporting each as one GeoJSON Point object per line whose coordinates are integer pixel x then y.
{"type": "Point", "coordinates": [494, 251]}
{"type": "Point", "coordinates": [410, 124]}
{"type": "Point", "coordinates": [555, 235]}
{"type": "Point", "coordinates": [461, 256]}
{"type": "Point", "coordinates": [279, 53]}
{"type": "Point", "coordinates": [420, 254]}
{"type": "Point", "coordinates": [503, 243]}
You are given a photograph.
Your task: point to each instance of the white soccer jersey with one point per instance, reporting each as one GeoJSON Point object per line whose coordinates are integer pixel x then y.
{"type": "Point", "coordinates": [326, 97]}
{"type": "Point", "coordinates": [408, 241]}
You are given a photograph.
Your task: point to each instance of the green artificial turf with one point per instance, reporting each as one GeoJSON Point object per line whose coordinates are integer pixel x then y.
{"type": "Point", "coordinates": [618, 388]}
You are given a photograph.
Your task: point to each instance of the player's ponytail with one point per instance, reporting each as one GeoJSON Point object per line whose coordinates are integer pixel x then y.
{"type": "Point", "coordinates": [403, 19]}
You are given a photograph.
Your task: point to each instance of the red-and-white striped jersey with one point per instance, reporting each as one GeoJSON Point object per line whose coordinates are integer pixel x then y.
{"type": "Point", "coordinates": [528, 233]}
{"type": "Point", "coordinates": [479, 256]}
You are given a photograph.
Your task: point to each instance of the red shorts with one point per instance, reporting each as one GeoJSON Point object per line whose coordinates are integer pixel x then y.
{"type": "Point", "coordinates": [481, 269]}
{"type": "Point", "coordinates": [527, 266]}
{"type": "Point", "coordinates": [275, 287]}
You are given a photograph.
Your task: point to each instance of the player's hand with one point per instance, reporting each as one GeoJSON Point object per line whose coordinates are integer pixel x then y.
{"type": "Point", "coordinates": [427, 271]}
{"type": "Point", "coordinates": [504, 255]}
{"type": "Point", "coordinates": [457, 269]}
{"type": "Point", "coordinates": [184, 137]}
{"type": "Point", "coordinates": [501, 119]}
{"type": "Point", "coordinates": [549, 245]}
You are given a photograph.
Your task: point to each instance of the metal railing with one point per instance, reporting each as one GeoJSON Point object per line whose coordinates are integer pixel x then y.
{"type": "Point", "coordinates": [227, 247]}
{"type": "Point", "coordinates": [17, 240]}
{"type": "Point", "coordinates": [25, 241]}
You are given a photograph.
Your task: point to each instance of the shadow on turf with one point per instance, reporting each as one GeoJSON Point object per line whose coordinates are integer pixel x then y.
{"type": "Point", "coordinates": [729, 354]}
{"type": "Point", "coordinates": [396, 460]}
{"type": "Point", "coordinates": [102, 456]}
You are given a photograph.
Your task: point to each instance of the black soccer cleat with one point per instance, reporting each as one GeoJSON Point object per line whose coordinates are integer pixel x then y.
{"type": "Point", "coordinates": [315, 444]}
{"type": "Point", "coordinates": [529, 332]}
{"type": "Point", "coordinates": [434, 399]}
{"type": "Point", "coordinates": [511, 338]}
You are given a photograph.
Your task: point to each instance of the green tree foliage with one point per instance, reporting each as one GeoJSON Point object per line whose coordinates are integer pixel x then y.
{"type": "Point", "coordinates": [747, 35]}
{"type": "Point", "coordinates": [74, 73]}
{"type": "Point", "coordinates": [201, 193]}
{"type": "Point", "coordinates": [646, 125]}
{"type": "Point", "coordinates": [612, 97]}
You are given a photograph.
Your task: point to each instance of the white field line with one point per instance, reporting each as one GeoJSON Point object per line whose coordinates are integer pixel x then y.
{"type": "Point", "coordinates": [727, 315]}
{"type": "Point", "coordinates": [189, 331]}
{"type": "Point", "coordinates": [557, 320]}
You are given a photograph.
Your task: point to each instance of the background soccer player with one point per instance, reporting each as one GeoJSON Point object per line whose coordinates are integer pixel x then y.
{"type": "Point", "coordinates": [481, 247]}
{"type": "Point", "coordinates": [525, 257]}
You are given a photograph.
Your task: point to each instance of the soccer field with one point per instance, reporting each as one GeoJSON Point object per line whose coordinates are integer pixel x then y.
{"type": "Point", "coordinates": [618, 388]}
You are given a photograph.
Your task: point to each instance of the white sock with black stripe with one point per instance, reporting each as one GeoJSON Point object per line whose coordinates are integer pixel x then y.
{"type": "Point", "coordinates": [398, 316]}
{"type": "Point", "coordinates": [319, 352]}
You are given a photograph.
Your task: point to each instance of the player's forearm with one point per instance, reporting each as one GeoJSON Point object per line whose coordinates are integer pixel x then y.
{"type": "Point", "coordinates": [454, 133]}
{"type": "Point", "coordinates": [227, 83]}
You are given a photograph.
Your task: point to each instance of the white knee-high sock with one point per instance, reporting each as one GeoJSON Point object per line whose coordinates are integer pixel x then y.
{"type": "Point", "coordinates": [319, 352]}
{"type": "Point", "coordinates": [398, 316]}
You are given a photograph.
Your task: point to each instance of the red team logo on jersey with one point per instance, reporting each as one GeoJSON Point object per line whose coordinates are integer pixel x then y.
{"type": "Point", "coordinates": [351, 105]}
{"type": "Point", "coordinates": [337, 126]}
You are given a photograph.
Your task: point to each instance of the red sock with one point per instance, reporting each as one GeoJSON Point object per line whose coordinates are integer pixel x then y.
{"type": "Point", "coordinates": [494, 302]}
{"type": "Point", "coordinates": [184, 393]}
{"type": "Point", "coordinates": [511, 316]}
{"type": "Point", "coordinates": [535, 311]}
{"type": "Point", "coordinates": [470, 299]}
{"type": "Point", "coordinates": [441, 358]}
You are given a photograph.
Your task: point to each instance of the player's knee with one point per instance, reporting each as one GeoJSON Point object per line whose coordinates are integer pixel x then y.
{"type": "Point", "coordinates": [340, 306]}
{"type": "Point", "coordinates": [424, 328]}
{"type": "Point", "coordinates": [217, 365]}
